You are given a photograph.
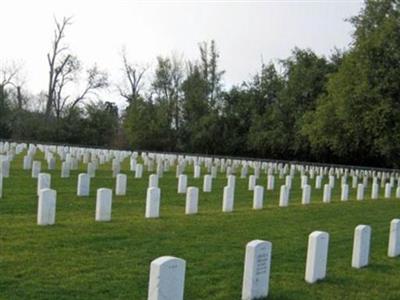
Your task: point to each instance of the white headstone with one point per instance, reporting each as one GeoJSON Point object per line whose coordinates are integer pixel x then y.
{"type": "Point", "coordinates": [207, 183]}
{"type": "Point", "coordinates": [327, 193]}
{"type": "Point", "coordinates": [288, 182]}
{"type": "Point", "coordinates": [306, 196]}
{"type": "Point", "coordinates": [103, 205]}
{"type": "Point", "coordinates": [332, 181]}
{"type": "Point", "coordinates": [91, 169]}
{"type": "Point", "coordinates": [197, 171]}
{"type": "Point", "coordinates": [388, 190]}
{"type": "Point", "coordinates": [270, 182]}
{"type": "Point", "coordinates": [228, 199]}
{"type": "Point", "coordinates": [167, 278]}
{"type": "Point", "coordinates": [360, 191]}
{"type": "Point", "coordinates": [83, 188]}
{"type": "Point", "coordinates": [65, 169]}
{"type": "Point", "coordinates": [153, 180]}
{"type": "Point", "coordinates": [354, 182]}
{"type": "Point", "coordinates": [318, 182]}
{"type": "Point", "coordinates": [361, 245]}
{"type": "Point", "coordinates": [182, 184]}
{"type": "Point", "coordinates": [258, 197]}
{"type": "Point", "coordinates": [317, 256]}
{"type": "Point", "coordinates": [153, 202]}
{"type": "Point", "coordinates": [256, 270]}
{"type": "Point", "coordinates": [46, 207]}
{"type": "Point", "coordinates": [284, 196]}
{"type": "Point", "coordinates": [36, 166]}
{"type": "Point", "coordinates": [4, 167]}
{"type": "Point", "coordinates": [252, 182]}
{"type": "Point", "coordinates": [139, 171]}
{"type": "Point", "coordinates": [375, 191]}
{"type": "Point", "coordinates": [232, 181]}
{"type": "Point", "coordinates": [345, 192]}
{"type": "Point", "coordinates": [43, 182]}
{"type": "Point", "coordinates": [398, 192]}
{"type": "Point", "coordinates": [394, 238]}
{"type": "Point", "coordinates": [51, 163]}
{"type": "Point", "coordinates": [120, 185]}
{"type": "Point", "coordinates": [304, 180]}
{"type": "Point", "coordinates": [192, 200]}
{"type": "Point", "coordinates": [27, 165]}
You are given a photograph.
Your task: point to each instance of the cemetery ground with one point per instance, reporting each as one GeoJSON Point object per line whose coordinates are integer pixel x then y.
{"type": "Point", "coordinates": [78, 258]}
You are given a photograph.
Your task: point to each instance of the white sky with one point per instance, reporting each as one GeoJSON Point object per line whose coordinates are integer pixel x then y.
{"type": "Point", "coordinates": [244, 31]}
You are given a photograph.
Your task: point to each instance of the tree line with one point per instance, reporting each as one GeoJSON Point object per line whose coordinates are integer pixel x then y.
{"type": "Point", "coordinates": [344, 108]}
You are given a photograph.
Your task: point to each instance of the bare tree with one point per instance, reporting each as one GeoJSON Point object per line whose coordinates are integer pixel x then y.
{"type": "Point", "coordinates": [133, 75]}
{"type": "Point", "coordinates": [11, 75]}
{"type": "Point", "coordinates": [61, 65]}
{"type": "Point", "coordinates": [63, 70]}
{"type": "Point", "coordinates": [95, 80]}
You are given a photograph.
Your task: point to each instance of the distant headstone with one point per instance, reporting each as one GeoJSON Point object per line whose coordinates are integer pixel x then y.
{"type": "Point", "coordinates": [153, 180]}
{"type": "Point", "coordinates": [306, 196]}
{"type": "Point", "coordinates": [182, 184]}
{"type": "Point", "coordinates": [252, 182]}
{"type": "Point", "coordinates": [360, 192]}
{"type": "Point", "coordinates": [139, 171]}
{"type": "Point", "coordinates": [228, 199]}
{"type": "Point", "coordinates": [153, 202]}
{"type": "Point", "coordinates": [345, 192]}
{"type": "Point", "coordinates": [388, 190]}
{"type": "Point", "coordinates": [207, 183]}
{"type": "Point", "coordinates": [46, 207]}
{"type": "Point", "coordinates": [197, 171]}
{"type": "Point", "coordinates": [120, 185]}
{"type": "Point", "coordinates": [1, 185]}
{"type": "Point", "coordinates": [375, 191]}
{"type": "Point", "coordinates": [288, 182]}
{"type": "Point", "coordinates": [258, 197]}
{"type": "Point", "coordinates": [27, 164]}
{"type": "Point", "coordinates": [192, 200]}
{"type": "Point", "coordinates": [103, 205]}
{"type": "Point", "coordinates": [65, 170]}
{"type": "Point", "coordinates": [4, 167]}
{"type": "Point", "coordinates": [232, 181]}
{"type": "Point", "coordinates": [270, 182]}
{"type": "Point", "coordinates": [83, 188]}
{"type": "Point", "coordinates": [91, 170]}
{"type": "Point", "coordinates": [318, 182]}
{"type": "Point", "coordinates": [36, 166]}
{"type": "Point", "coordinates": [284, 196]}
{"type": "Point", "coordinates": [51, 163]}
{"type": "Point", "coordinates": [327, 193]}
{"type": "Point", "coordinates": [332, 181]}
{"type": "Point", "coordinates": [43, 182]}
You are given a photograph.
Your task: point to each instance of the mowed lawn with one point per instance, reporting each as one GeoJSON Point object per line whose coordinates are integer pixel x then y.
{"type": "Point", "coordinates": [79, 258]}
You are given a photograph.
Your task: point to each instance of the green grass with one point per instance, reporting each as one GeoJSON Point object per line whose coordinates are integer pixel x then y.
{"type": "Point", "coordinates": [79, 258]}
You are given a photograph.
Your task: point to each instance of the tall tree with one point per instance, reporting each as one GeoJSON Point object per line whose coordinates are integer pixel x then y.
{"type": "Point", "coordinates": [358, 120]}
{"type": "Point", "coordinates": [133, 79]}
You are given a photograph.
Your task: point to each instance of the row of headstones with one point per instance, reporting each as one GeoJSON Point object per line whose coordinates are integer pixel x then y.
{"type": "Point", "coordinates": [47, 198]}
{"type": "Point", "coordinates": [167, 273]}
{"type": "Point", "coordinates": [149, 158]}
{"type": "Point", "coordinates": [138, 168]}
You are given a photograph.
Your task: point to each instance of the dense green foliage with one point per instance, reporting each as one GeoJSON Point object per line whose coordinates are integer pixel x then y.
{"type": "Point", "coordinates": [79, 258]}
{"type": "Point", "coordinates": [340, 109]}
